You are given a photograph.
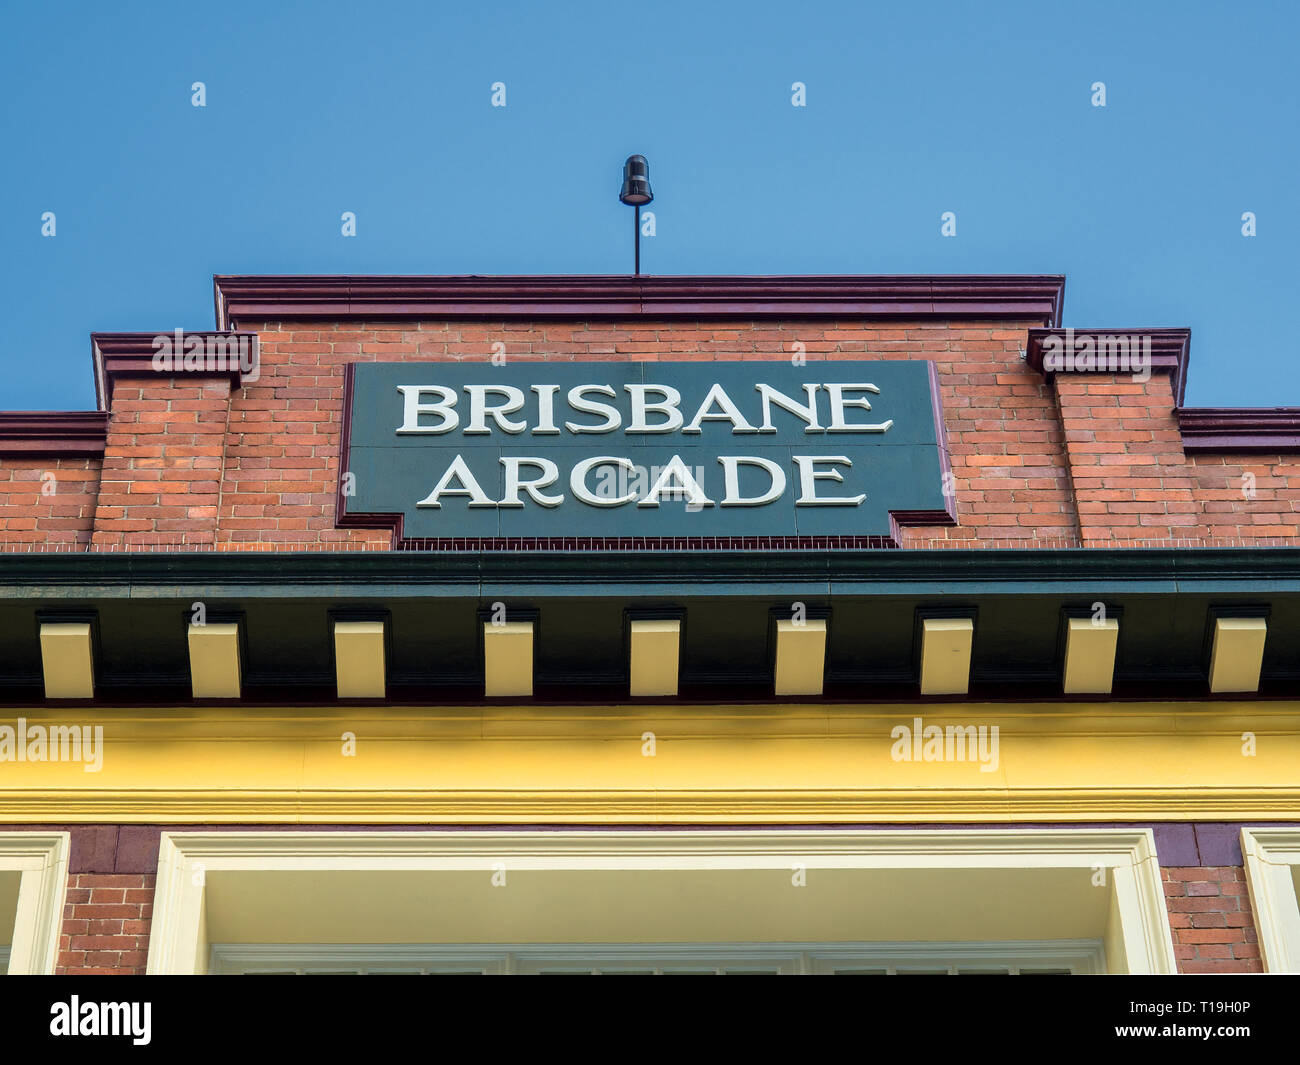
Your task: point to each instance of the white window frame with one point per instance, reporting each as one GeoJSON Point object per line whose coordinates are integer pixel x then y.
{"type": "Point", "coordinates": [1125, 858]}
{"type": "Point", "coordinates": [1083, 957]}
{"type": "Point", "coordinates": [1271, 856]}
{"type": "Point", "coordinates": [42, 860]}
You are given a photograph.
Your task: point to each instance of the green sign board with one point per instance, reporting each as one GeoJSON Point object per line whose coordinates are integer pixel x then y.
{"type": "Point", "coordinates": [652, 452]}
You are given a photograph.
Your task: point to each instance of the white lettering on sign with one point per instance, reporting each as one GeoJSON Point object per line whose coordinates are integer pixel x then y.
{"type": "Point", "coordinates": [577, 400]}
{"type": "Point", "coordinates": [479, 408]}
{"type": "Point", "coordinates": [673, 481]}
{"type": "Point", "coordinates": [839, 402]}
{"type": "Point", "coordinates": [717, 405]}
{"type": "Point", "coordinates": [578, 481]}
{"type": "Point", "coordinates": [413, 406]}
{"type": "Point", "coordinates": [469, 486]}
{"type": "Point", "coordinates": [654, 410]}
{"type": "Point", "coordinates": [727, 412]}
{"type": "Point", "coordinates": [667, 405]}
{"type": "Point", "coordinates": [808, 411]}
{"type": "Point", "coordinates": [731, 481]}
{"type": "Point", "coordinates": [809, 475]}
{"type": "Point", "coordinates": [514, 484]}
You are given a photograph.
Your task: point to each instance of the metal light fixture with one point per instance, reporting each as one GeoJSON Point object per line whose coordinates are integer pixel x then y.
{"type": "Point", "coordinates": [636, 193]}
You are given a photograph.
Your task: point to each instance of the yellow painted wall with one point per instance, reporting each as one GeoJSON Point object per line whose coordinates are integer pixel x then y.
{"type": "Point", "coordinates": [711, 763]}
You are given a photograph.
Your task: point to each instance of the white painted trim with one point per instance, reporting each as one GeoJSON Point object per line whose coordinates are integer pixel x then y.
{"type": "Point", "coordinates": [1128, 854]}
{"type": "Point", "coordinates": [42, 859]}
{"type": "Point", "coordinates": [1270, 856]}
{"type": "Point", "coordinates": [1080, 956]}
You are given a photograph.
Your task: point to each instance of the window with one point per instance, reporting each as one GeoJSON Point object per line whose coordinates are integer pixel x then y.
{"type": "Point", "coordinates": [1013, 901]}
{"type": "Point", "coordinates": [1053, 957]}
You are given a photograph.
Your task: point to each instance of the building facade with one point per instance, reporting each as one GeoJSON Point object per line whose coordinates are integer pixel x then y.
{"type": "Point", "coordinates": [644, 624]}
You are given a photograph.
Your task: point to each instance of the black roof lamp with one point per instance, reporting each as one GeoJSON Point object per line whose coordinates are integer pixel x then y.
{"type": "Point", "coordinates": [636, 193]}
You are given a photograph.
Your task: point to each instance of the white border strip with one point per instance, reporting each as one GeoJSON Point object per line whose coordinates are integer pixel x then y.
{"type": "Point", "coordinates": [42, 859]}
{"type": "Point", "coordinates": [1271, 856]}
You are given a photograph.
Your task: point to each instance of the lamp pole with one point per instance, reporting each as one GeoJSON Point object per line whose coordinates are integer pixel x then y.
{"type": "Point", "coordinates": [636, 194]}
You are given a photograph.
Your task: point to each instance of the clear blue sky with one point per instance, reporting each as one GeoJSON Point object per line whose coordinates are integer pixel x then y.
{"type": "Point", "coordinates": [913, 109]}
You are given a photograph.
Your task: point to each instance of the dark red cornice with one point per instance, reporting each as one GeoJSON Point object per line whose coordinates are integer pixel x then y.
{"type": "Point", "coordinates": [132, 354]}
{"type": "Point", "coordinates": [1274, 429]}
{"type": "Point", "coordinates": [53, 432]}
{"type": "Point", "coordinates": [247, 299]}
{"type": "Point", "coordinates": [1170, 350]}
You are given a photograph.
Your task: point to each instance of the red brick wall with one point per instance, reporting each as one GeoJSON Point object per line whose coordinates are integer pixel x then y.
{"type": "Point", "coordinates": [106, 924]}
{"type": "Point", "coordinates": [1023, 448]}
{"type": "Point", "coordinates": [163, 465]}
{"type": "Point", "coordinates": [1131, 479]}
{"type": "Point", "coordinates": [47, 500]}
{"type": "Point", "coordinates": [1080, 458]}
{"type": "Point", "coordinates": [282, 446]}
{"type": "Point", "coordinates": [1211, 919]}
{"type": "Point", "coordinates": [1247, 495]}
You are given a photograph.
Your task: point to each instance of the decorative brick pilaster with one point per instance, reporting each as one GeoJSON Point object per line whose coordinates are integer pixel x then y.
{"type": "Point", "coordinates": [1211, 919]}
{"type": "Point", "coordinates": [1131, 479]}
{"type": "Point", "coordinates": [161, 480]}
{"type": "Point", "coordinates": [106, 924]}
